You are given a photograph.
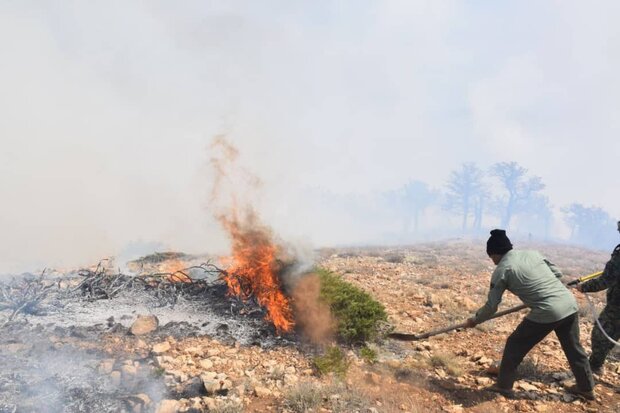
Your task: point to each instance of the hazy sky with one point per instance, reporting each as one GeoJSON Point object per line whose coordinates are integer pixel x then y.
{"type": "Point", "coordinates": [108, 108]}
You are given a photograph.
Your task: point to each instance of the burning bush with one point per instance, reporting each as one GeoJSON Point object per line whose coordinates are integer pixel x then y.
{"type": "Point", "coordinates": [358, 315]}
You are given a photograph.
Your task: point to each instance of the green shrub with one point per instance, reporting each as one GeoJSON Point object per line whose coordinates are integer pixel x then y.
{"type": "Point", "coordinates": [394, 258]}
{"type": "Point", "coordinates": [333, 361]}
{"type": "Point", "coordinates": [158, 371]}
{"type": "Point", "coordinates": [368, 355]}
{"type": "Point", "coordinates": [357, 314]}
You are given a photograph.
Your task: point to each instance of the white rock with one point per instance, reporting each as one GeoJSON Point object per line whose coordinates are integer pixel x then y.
{"type": "Point", "coordinates": [206, 364]}
{"type": "Point", "coordinates": [261, 391]}
{"type": "Point", "coordinates": [161, 348]}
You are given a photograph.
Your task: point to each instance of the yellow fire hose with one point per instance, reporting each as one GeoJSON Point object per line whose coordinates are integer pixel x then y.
{"type": "Point", "coordinates": [591, 305]}
{"type": "Point", "coordinates": [585, 278]}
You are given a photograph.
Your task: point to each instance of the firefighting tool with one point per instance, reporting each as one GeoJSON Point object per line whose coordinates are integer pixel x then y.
{"type": "Point", "coordinates": [415, 337]}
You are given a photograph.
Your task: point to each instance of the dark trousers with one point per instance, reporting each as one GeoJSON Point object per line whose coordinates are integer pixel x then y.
{"type": "Point", "coordinates": [610, 320]}
{"type": "Point", "coordinates": [529, 333]}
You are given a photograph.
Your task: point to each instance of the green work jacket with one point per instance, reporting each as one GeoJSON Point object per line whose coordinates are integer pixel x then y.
{"type": "Point", "coordinates": [536, 281]}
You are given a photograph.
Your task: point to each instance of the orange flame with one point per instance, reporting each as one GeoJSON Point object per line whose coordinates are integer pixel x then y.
{"type": "Point", "coordinates": [254, 269]}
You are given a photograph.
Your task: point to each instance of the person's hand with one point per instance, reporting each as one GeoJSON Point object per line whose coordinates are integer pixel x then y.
{"type": "Point", "coordinates": [470, 323]}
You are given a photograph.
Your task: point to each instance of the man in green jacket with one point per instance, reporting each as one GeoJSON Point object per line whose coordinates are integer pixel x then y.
{"type": "Point", "coordinates": [536, 281]}
{"type": "Point", "coordinates": [610, 316]}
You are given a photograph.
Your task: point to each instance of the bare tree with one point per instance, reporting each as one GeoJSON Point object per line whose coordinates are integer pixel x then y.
{"type": "Point", "coordinates": [520, 189]}
{"type": "Point", "coordinates": [411, 200]}
{"type": "Point", "coordinates": [466, 194]}
{"type": "Point", "coordinates": [590, 225]}
{"type": "Point", "coordinates": [539, 215]}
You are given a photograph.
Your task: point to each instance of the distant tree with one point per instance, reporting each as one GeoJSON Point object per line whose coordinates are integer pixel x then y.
{"type": "Point", "coordinates": [411, 200]}
{"type": "Point", "coordinates": [539, 215]}
{"type": "Point", "coordinates": [465, 194]}
{"type": "Point", "coordinates": [590, 226]}
{"type": "Point", "coordinates": [520, 189]}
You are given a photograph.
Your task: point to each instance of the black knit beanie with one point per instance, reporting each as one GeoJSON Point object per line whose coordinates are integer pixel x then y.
{"type": "Point", "coordinates": [498, 242]}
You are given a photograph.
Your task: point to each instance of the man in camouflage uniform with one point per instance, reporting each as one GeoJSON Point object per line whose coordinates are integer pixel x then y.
{"type": "Point", "coordinates": [610, 316]}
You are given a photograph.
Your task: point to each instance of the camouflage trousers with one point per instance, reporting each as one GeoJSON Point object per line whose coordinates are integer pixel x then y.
{"type": "Point", "coordinates": [610, 321]}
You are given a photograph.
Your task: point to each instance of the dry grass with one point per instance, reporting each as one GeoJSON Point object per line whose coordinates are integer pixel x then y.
{"type": "Point", "coordinates": [449, 362]}
{"type": "Point", "coordinates": [277, 373]}
{"type": "Point", "coordinates": [334, 397]}
{"type": "Point", "coordinates": [228, 408]}
{"type": "Point", "coordinates": [304, 397]}
{"type": "Point", "coordinates": [341, 399]}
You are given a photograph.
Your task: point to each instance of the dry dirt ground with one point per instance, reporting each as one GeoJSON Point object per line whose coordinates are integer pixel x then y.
{"type": "Point", "coordinates": [83, 356]}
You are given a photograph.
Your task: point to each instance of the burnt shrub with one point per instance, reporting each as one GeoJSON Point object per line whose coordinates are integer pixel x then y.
{"type": "Point", "coordinates": [358, 315]}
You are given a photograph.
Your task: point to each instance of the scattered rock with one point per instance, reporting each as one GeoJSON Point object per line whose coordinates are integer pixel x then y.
{"type": "Point", "coordinates": [161, 348]}
{"type": "Point", "coordinates": [261, 391]}
{"type": "Point", "coordinates": [168, 406]}
{"type": "Point", "coordinates": [139, 403]}
{"type": "Point", "coordinates": [106, 366]}
{"type": "Point", "coordinates": [526, 386]}
{"type": "Point", "coordinates": [195, 351]}
{"type": "Point", "coordinates": [217, 386]}
{"type": "Point", "coordinates": [493, 369]}
{"type": "Point", "coordinates": [206, 364]}
{"type": "Point", "coordinates": [484, 361]}
{"type": "Point", "coordinates": [144, 324]}
{"type": "Point", "coordinates": [483, 381]}
{"type": "Point", "coordinates": [424, 345]}
{"type": "Point", "coordinates": [522, 406]}
{"type": "Point", "coordinates": [192, 388]}
{"type": "Point", "coordinates": [115, 378]}
{"type": "Point", "coordinates": [129, 373]}
{"type": "Point", "coordinates": [560, 376]}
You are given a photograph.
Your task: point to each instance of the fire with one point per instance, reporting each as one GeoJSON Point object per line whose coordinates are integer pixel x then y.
{"type": "Point", "coordinates": [254, 268]}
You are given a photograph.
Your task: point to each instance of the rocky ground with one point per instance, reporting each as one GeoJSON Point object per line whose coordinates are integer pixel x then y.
{"type": "Point", "coordinates": [211, 353]}
{"type": "Point", "coordinates": [433, 285]}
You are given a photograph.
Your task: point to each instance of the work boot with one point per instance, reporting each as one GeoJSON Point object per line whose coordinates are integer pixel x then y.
{"type": "Point", "coordinates": [507, 393]}
{"type": "Point", "coordinates": [586, 394]}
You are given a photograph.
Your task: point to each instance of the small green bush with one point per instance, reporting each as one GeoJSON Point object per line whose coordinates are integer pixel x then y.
{"type": "Point", "coordinates": [333, 361]}
{"type": "Point", "coordinates": [394, 258]}
{"type": "Point", "coordinates": [158, 371]}
{"type": "Point", "coordinates": [368, 355]}
{"type": "Point", "coordinates": [357, 314]}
